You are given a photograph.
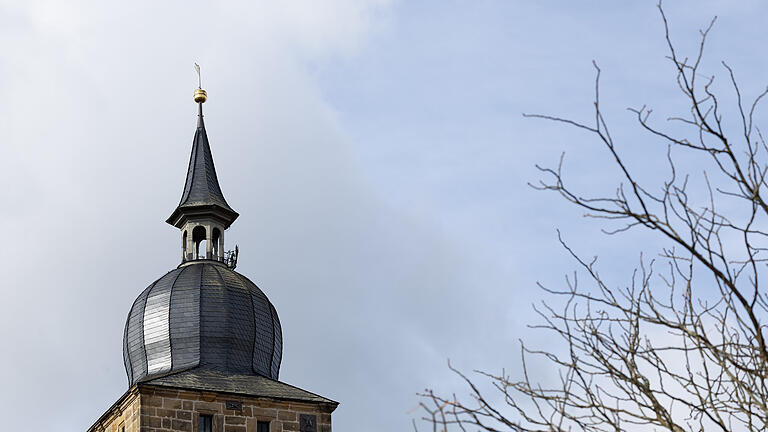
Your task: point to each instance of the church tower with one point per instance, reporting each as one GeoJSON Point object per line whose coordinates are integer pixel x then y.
{"type": "Point", "coordinates": [203, 344]}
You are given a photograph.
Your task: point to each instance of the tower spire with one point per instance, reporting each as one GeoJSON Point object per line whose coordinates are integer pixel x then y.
{"type": "Point", "coordinates": [202, 204]}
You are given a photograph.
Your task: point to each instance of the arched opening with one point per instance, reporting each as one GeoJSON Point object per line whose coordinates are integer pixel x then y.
{"type": "Point", "coordinates": [184, 246]}
{"type": "Point", "coordinates": [215, 240]}
{"type": "Point", "coordinates": [198, 238]}
{"type": "Point", "coordinates": [202, 254]}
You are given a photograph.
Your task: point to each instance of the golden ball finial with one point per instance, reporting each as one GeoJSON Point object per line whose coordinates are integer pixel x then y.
{"type": "Point", "coordinates": [200, 96]}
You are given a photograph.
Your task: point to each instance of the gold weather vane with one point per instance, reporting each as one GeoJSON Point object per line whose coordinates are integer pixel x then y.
{"type": "Point", "coordinates": [200, 95]}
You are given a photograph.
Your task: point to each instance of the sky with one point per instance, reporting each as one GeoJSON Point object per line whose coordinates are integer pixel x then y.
{"type": "Point", "coordinates": [378, 156]}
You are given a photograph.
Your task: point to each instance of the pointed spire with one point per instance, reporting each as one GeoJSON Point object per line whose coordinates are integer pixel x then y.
{"type": "Point", "coordinates": [202, 193]}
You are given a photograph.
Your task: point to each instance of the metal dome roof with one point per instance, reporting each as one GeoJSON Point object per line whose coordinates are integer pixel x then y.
{"type": "Point", "coordinates": [206, 316]}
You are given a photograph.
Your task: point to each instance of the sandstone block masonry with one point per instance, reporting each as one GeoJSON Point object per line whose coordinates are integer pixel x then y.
{"type": "Point", "coordinates": [123, 416]}
{"type": "Point", "coordinates": [147, 408]}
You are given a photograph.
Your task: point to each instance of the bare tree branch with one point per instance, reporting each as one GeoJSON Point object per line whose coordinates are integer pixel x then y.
{"type": "Point", "coordinates": [682, 348]}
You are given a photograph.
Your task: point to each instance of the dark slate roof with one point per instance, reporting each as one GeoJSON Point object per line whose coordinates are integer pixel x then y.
{"type": "Point", "coordinates": [202, 315]}
{"type": "Point", "coordinates": [249, 385]}
{"type": "Point", "coordinates": [201, 190]}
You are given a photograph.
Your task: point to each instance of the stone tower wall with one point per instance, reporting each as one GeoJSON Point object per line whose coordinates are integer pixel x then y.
{"type": "Point", "coordinates": [159, 409]}
{"type": "Point", "coordinates": [124, 416]}
{"type": "Point", "coordinates": [164, 409]}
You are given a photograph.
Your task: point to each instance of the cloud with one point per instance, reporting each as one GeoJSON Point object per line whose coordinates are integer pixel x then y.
{"type": "Point", "coordinates": [97, 126]}
{"type": "Point", "coordinates": [374, 150]}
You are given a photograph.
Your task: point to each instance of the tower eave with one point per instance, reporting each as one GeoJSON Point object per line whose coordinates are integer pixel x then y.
{"type": "Point", "coordinates": [182, 214]}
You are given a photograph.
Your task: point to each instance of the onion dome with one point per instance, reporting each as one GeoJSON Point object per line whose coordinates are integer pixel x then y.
{"type": "Point", "coordinates": [202, 315]}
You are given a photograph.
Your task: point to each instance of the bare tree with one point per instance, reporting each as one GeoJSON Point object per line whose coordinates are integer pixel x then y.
{"type": "Point", "coordinates": [681, 347]}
